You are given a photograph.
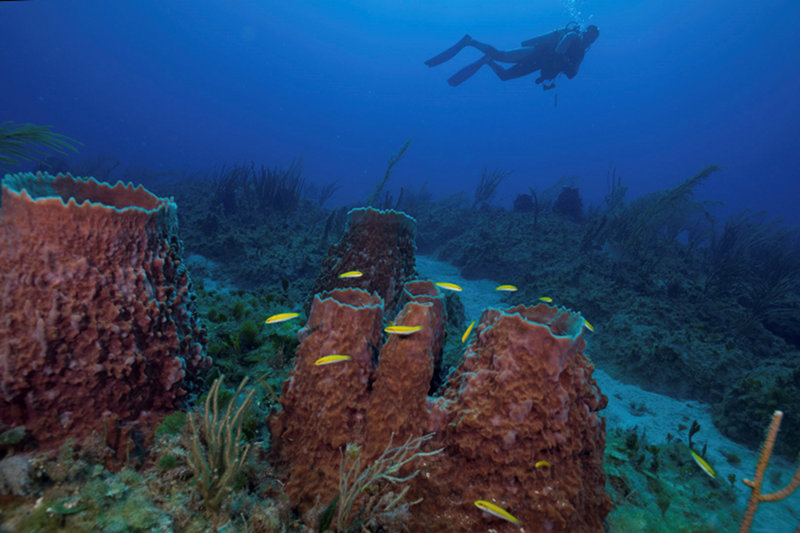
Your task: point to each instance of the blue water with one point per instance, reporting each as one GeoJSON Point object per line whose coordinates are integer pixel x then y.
{"type": "Point", "coordinates": [668, 88]}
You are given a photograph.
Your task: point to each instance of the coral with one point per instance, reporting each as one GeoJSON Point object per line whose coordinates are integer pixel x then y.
{"type": "Point", "coordinates": [15, 475]}
{"type": "Point", "coordinates": [754, 396]}
{"type": "Point", "coordinates": [647, 225]}
{"type": "Point", "coordinates": [522, 393]}
{"type": "Point", "coordinates": [393, 159]}
{"type": "Point", "coordinates": [249, 335]}
{"type": "Point", "coordinates": [217, 461]}
{"type": "Point", "coordinates": [106, 502]}
{"type": "Point", "coordinates": [29, 142]}
{"type": "Point", "coordinates": [98, 322]}
{"type": "Point", "coordinates": [172, 424]}
{"type": "Point", "coordinates": [487, 186]}
{"type": "Point", "coordinates": [757, 496]}
{"type": "Point", "coordinates": [661, 485]}
{"type": "Point", "coordinates": [359, 483]}
{"type": "Point", "coordinates": [523, 203]}
{"type": "Point", "coordinates": [241, 191]}
{"type": "Point", "coordinates": [378, 243]}
{"type": "Point", "coordinates": [569, 204]}
{"type": "Point", "coordinates": [12, 436]}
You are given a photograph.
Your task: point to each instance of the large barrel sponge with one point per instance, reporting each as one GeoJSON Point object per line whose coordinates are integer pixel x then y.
{"type": "Point", "coordinates": [380, 244]}
{"type": "Point", "coordinates": [97, 318]}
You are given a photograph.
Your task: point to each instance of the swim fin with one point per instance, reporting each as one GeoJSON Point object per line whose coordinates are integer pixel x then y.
{"type": "Point", "coordinates": [449, 53]}
{"type": "Point", "coordinates": [461, 76]}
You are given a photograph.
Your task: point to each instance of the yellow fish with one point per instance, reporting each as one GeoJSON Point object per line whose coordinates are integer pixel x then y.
{"type": "Point", "coordinates": [507, 288]}
{"type": "Point", "coordinates": [496, 510]}
{"type": "Point", "coordinates": [328, 359]}
{"type": "Point", "coordinates": [702, 464]}
{"type": "Point", "coordinates": [546, 299]}
{"type": "Point", "coordinates": [448, 286]}
{"type": "Point", "coordinates": [281, 317]}
{"type": "Point", "coordinates": [466, 333]}
{"type": "Point", "coordinates": [351, 274]}
{"type": "Point", "coordinates": [542, 463]}
{"type": "Point", "coordinates": [588, 326]}
{"type": "Point", "coordinates": [402, 330]}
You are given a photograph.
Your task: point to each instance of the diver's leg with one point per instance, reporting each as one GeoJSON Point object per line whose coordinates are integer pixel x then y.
{"type": "Point", "coordinates": [461, 76]}
{"type": "Point", "coordinates": [516, 71]}
{"type": "Point", "coordinates": [520, 69]}
{"type": "Point", "coordinates": [449, 53]}
{"type": "Point", "coordinates": [503, 56]}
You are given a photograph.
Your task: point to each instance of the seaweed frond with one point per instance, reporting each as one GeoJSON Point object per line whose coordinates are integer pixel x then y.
{"type": "Point", "coordinates": [375, 482]}
{"type": "Point", "coordinates": [28, 142]}
{"type": "Point", "coordinates": [488, 185]}
{"type": "Point", "coordinates": [393, 159]}
{"type": "Point", "coordinates": [217, 461]}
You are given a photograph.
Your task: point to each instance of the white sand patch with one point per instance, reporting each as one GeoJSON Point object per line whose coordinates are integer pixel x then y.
{"type": "Point", "coordinates": [477, 294]}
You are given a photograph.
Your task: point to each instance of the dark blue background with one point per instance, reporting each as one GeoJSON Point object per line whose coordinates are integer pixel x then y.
{"type": "Point", "coordinates": [668, 88]}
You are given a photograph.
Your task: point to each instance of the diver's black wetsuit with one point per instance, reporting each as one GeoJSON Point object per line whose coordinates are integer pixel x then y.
{"type": "Point", "coordinates": [560, 51]}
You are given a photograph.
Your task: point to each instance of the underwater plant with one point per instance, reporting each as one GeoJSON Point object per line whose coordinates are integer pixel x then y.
{"type": "Point", "coordinates": [644, 227]}
{"type": "Point", "coordinates": [393, 159]}
{"type": "Point", "coordinates": [488, 185]}
{"type": "Point", "coordinates": [29, 142]}
{"type": "Point", "coordinates": [217, 462]}
{"type": "Point", "coordinates": [356, 480]}
{"type": "Point", "coordinates": [252, 189]}
{"type": "Point", "coordinates": [757, 496]}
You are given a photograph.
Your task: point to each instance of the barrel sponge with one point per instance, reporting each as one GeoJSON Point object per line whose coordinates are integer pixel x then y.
{"type": "Point", "coordinates": [97, 315]}
{"type": "Point", "coordinates": [378, 243]}
{"type": "Point", "coordinates": [518, 421]}
{"type": "Point", "coordinates": [524, 393]}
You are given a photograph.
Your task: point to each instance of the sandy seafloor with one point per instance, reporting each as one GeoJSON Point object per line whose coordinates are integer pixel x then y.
{"type": "Point", "coordinates": [661, 414]}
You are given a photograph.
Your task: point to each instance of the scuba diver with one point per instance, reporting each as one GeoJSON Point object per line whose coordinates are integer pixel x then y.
{"type": "Point", "coordinates": [553, 53]}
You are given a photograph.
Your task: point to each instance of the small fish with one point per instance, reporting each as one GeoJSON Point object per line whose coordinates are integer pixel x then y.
{"type": "Point", "coordinates": [546, 299]}
{"type": "Point", "coordinates": [496, 510]}
{"type": "Point", "coordinates": [703, 464]}
{"type": "Point", "coordinates": [351, 274]}
{"type": "Point", "coordinates": [588, 326]}
{"type": "Point", "coordinates": [466, 333]}
{"type": "Point", "coordinates": [328, 359]}
{"type": "Point", "coordinates": [281, 317]}
{"type": "Point", "coordinates": [507, 288]}
{"type": "Point", "coordinates": [540, 464]}
{"type": "Point", "coordinates": [402, 330]}
{"type": "Point", "coordinates": [448, 286]}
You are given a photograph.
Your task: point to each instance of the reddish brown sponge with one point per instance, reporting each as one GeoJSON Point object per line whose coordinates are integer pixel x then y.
{"type": "Point", "coordinates": [98, 326]}
{"type": "Point", "coordinates": [324, 407]}
{"type": "Point", "coordinates": [380, 244]}
{"type": "Point", "coordinates": [398, 400]}
{"type": "Point", "coordinates": [523, 393]}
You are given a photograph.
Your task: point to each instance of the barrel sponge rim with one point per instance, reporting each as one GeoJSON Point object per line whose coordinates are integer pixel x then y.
{"type": "Point", "coordinates": [84, 192]}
